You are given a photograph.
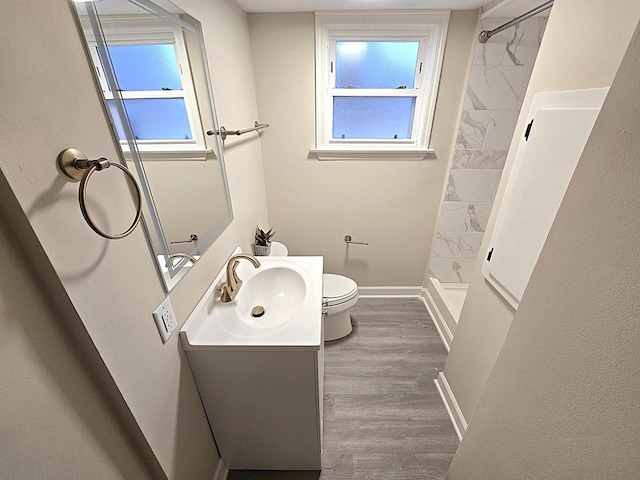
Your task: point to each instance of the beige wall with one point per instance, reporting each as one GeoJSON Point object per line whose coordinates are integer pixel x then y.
{"type": "Point", "coordinates": [201, 200]}
{"type": "Point", "coordinates": [312, 204]}
{"type": "Point", "coordinates": [58, 417]}
{"type": "Point", "coordinates": [562, 399]}
{"type": "Point", "coordinates": [108, 289]}
{"type": "Point", "coordinates": [570, 57]}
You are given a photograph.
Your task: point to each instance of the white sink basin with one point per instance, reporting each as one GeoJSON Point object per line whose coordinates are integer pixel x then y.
{"type": "Point", "coordinates": [290, 291]}
{"type": "Point", "coordinates": [280, 291]}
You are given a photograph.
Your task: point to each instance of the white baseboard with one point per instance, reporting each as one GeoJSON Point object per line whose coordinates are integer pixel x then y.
{"type": "Point", "coordinates": [390, 291]}
{"type": "Point", "coordinates": [451, 404]}
{"type": "Point", "coordinates": [221, 471]}
{"type": "Point", "coordinates": [438, 321]}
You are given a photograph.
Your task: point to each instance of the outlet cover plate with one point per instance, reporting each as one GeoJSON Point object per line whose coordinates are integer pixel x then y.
{"type": "Point", "coordinates": [165, 319]}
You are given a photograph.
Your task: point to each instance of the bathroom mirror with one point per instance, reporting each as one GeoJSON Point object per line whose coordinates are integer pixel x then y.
{"type": "Point", "coordinates": [151, 69]}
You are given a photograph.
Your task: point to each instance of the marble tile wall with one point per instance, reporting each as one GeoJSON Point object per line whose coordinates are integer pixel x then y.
{"type": "Point", "coordinates": [498, 79]}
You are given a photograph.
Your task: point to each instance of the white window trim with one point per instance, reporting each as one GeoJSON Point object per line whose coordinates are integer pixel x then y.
{"type": "Point", "coordinates": [406, 24]}
{"type": "Point", "coordinates": [135, 28]}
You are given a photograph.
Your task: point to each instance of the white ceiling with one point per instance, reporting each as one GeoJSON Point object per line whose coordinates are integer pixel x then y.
{"type": "Point", "coordinates": [320, 5]}
{"type": "Point", "coordinates": [512, 8]}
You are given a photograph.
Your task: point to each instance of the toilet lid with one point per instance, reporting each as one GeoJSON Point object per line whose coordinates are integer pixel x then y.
{"type": "Point", "coordinates": [338, 288]}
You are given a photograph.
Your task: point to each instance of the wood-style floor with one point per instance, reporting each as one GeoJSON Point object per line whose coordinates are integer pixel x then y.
{"type": "Point", "coordinates": [383, 416]}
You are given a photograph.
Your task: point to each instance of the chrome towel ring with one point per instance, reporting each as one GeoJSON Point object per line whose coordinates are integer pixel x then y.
{"type": "Point", "coordinates": [75, 165]}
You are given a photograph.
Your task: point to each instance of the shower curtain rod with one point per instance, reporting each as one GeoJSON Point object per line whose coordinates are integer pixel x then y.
{"type": "Point", "coordinates": [485, 35]}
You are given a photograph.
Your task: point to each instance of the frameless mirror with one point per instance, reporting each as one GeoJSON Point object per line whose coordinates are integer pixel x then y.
{"type": "Point", "coordinates": [151, 68]}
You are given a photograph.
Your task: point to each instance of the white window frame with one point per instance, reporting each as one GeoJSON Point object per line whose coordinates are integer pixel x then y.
{"type": "Point", "coordinates": [427, 27]}
{"type": "Point", "coordinates": [130, 30]}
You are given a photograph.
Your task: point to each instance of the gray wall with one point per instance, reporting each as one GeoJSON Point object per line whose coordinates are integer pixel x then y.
{"type": "Point", "coordinates": [105, 290]}
{"type": "Point", "coordinates": [570, 57]}
{"type": "Point", "coordinates": [562, 400]}
{"type": "Point", "coordinates": [312, 204]}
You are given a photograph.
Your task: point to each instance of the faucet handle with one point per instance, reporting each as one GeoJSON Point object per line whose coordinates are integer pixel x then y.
{"type": "Point", "coordinates": [223, 290]}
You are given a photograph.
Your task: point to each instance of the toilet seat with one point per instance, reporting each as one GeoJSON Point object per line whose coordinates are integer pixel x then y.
{"type": "Point", "coordinates": [338, 289]}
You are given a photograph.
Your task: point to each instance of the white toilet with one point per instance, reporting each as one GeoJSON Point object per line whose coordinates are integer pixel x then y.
{"type": "Point", "coordinates": [339, 294]}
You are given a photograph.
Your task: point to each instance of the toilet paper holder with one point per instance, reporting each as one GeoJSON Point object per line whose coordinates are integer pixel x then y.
{"type": "Point", "coordinates": [348, 240]}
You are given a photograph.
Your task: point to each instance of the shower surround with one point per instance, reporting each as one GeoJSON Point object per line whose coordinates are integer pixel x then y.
{"type": "Point", "coordinates": [498, 78]}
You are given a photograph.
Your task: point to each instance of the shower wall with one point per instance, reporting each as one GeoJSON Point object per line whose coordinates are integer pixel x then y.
{"type": "Point", "coordinates": [498, 79]}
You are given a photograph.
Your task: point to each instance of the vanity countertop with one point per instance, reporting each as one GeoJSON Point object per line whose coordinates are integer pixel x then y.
{"type": "Point", "coordinates": [297, 325]}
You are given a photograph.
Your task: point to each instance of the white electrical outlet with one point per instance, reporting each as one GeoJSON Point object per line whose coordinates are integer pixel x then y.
{"type": "Point", "coordinates": [165, 319]}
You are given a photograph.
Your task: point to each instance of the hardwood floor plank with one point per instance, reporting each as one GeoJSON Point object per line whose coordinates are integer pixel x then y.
{"type": "Point", "coordinates": [363, 383]}
{"type": "Point", "coordinates": [401, 466]}
{"type": "Point", "coordinates": [388, 436]}
{"type": "Point", "coordinates": [400, 407]}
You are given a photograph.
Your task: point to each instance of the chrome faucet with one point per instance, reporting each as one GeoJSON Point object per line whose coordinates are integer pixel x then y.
{"type": "Point", "coordinates": [229, 289]}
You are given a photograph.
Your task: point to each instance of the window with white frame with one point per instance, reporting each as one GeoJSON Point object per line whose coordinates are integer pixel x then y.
{"type": "Point", "coordinates": [376, 83]}
{"type": "Point", "coordinates": [150, 62]}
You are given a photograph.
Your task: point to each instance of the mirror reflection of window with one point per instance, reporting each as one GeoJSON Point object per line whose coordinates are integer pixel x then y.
{"type": "Point", "coordinates": [151, 86]}
{"type": "Point", "coordinates": [155, 82]}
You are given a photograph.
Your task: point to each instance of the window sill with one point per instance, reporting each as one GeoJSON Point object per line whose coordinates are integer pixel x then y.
{"type": "Point", "coordinates": [412, 154]}
{"type": "Point", "coordinates": [171, 153]}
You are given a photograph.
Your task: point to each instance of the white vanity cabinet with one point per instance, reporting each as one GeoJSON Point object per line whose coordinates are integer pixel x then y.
{"type": "Point", "coordinates": [264, 406]}
{"type": "Point", "coordinates": [260, 377]}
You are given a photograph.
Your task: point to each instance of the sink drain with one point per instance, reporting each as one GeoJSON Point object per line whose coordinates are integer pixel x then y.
{"type": "Point", "coordinates": [257, 311]}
